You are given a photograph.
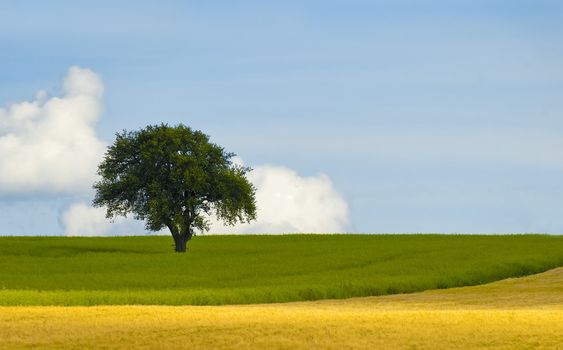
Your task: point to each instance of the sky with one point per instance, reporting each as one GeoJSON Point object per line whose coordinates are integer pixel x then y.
{"type": "Point", "coordinates": [357, 116]}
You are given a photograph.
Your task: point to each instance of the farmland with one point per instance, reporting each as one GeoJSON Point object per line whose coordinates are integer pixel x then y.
{"type": "Point", "coordinates": [522, 313]}
{"type": "Point", "coordinates": [221, 270]}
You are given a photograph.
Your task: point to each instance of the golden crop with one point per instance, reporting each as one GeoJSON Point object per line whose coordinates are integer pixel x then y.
{"type": "Point", "coordinates": [525, 313]}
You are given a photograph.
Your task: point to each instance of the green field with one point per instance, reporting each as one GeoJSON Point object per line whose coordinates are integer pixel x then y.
{"type": "Point", "coordinates": [258, 269]}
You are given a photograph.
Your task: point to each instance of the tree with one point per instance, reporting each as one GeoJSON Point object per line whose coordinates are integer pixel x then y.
{"type": "Point", "coordinates": [172, 176]}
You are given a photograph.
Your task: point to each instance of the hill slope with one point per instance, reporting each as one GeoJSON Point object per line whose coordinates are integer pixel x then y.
{"type": "Point", "coordinates": [258, 269]}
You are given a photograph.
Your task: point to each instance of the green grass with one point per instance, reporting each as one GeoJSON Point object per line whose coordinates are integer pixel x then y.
{"type": "Point", "coordinates": [257, 269]}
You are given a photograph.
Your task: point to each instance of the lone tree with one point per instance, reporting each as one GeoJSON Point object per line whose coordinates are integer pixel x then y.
{"type": "Point", "coordinates": [172, 176]}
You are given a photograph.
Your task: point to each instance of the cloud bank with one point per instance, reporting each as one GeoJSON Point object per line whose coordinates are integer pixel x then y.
{"type": "Point", "coordinates": [287, 203]}
{"type": "Point", "coordinates": [81, 219]}
{"type": "Point", "coordinates": [49, 145]}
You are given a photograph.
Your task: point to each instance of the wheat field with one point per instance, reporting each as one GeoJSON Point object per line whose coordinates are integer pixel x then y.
{"type": "Point", "coordinates": [520, 313]}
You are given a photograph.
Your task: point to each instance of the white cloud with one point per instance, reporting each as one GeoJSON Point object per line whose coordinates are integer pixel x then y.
{"type": "Point", "coordinates": [50, 144]}
{"type": "Point", "coordinates": [290, 203]}
{"type": "Point", "coordinates": [287, 203]}
{"type": "Point", "coordinates": [83, 220]}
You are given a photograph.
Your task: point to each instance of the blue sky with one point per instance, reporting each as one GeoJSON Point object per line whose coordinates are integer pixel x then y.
{"type": "Point", "coordinates": [428, 116]}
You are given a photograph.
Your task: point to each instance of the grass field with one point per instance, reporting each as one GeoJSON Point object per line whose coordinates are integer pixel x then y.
{"type": "Point", "coordinates": [524, 313]}
{"type": "Point", "coordinates": [258, 269]}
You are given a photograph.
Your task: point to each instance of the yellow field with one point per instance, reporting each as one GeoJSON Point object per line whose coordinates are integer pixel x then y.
{"type": "Point", "coordinates": [525, 313]}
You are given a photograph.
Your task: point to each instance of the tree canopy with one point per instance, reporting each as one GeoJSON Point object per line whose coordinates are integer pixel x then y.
{"type": "Point", "coordinates": [174, 177]}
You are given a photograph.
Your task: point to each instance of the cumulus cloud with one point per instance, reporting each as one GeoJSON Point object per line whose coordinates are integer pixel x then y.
{"type": "Point", "coordinates": [82, 219]}
{"type": "Point", "coordinates": [49, 145]}
{"type": "Point", "coordinates": [287, 203]}
{"type": "Point", "coordinates": [290, 203]}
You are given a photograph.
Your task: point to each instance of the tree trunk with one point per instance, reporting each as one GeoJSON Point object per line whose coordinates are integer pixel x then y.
{"type": "Point", "coordinates": [180, 241]}
{"type": "Point", "coordinates": [181, 237]}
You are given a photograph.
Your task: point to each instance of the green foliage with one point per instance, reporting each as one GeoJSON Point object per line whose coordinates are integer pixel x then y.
{"type": "Point", "coordinates": [173, 177]}
{"type": "Point", "coordinates": [258, 269]}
